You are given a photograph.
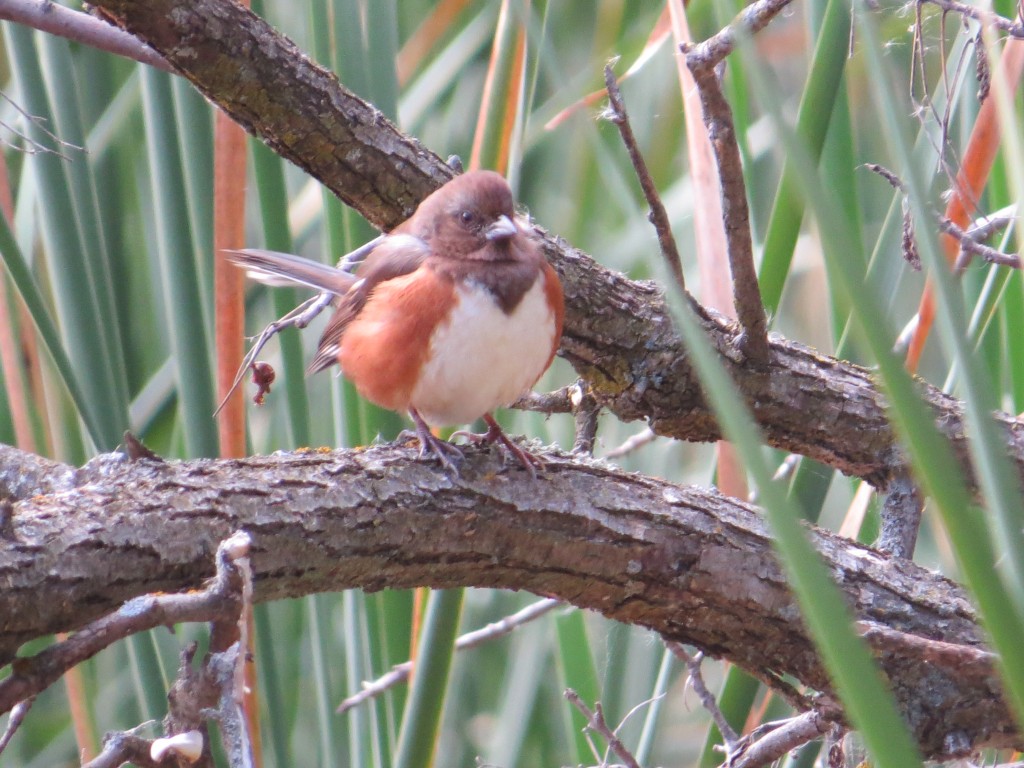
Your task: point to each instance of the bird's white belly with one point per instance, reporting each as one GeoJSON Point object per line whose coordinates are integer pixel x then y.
{"type": "Point", "coordinates": [482, 358]}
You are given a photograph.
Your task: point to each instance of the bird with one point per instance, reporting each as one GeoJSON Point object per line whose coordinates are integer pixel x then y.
{"type": "Point", "coordinates": [452, 314]}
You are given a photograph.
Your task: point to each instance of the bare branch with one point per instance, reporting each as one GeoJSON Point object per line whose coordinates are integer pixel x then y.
{"type": "Point", "coordinates": [658, 215]}
{"type": "Point", "coordinates": [120, 748]}
{"type": "Point", "coordinates": [785, 737]}
{"type": "Point", "coordinates": [15, 720]}
{"type": "Point", "coordinates": [597, 724]}
{"type": "Point", "coordinates": [298, 318]}
{"type": "Point", "coordinates": [559, 401]}
{"type": "Point", "coordinates": [981, 15]}
{"type": "Point", "coordinates": [632, 443]}
{"type": "Point", "coordinates": [51, 17]}
{"type": "Point", "coordinates": [970, 241]}
{"type": "Point", "coordinates": [575, 399]}
{"type": "Point", "coordinates": [969, 246]}
{"type": "Point", "coordinates": [753, 340]}
{"type": "Point", "coordinates": [707, 699]}
{"type": "Point", "coordinates": [36, 673]}
{"type": "Point", "coordinates": [984, 228]}
{"type": "Point", "coordinates": [400, 672]}
{"type": "Point", "coordinates": [31, 146]}
{"type": "Point", "coordinates": [755, 17]}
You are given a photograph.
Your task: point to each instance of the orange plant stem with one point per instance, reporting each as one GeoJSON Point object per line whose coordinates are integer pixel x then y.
{"type": "Point", "coordinates": [229, 319]}
{"type": "Point", "coordinates": [229, 303]}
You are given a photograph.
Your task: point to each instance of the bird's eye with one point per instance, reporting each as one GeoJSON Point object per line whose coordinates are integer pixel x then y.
{"type": "Point", "coordinates": [467, 217]}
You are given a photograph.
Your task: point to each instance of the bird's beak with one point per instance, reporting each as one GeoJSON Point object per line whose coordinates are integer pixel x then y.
{"type": "Point", "coordinates": [502, 228]}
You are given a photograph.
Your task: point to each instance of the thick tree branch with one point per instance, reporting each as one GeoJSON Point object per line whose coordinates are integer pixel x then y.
{"type": "Point", "coordinates": [619, 334]}
{"type": "Point", "coordinates": [688, 563]}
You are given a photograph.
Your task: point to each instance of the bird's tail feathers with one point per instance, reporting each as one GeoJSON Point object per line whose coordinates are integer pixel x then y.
{"type": "Point", "coordinates": [279, 269]}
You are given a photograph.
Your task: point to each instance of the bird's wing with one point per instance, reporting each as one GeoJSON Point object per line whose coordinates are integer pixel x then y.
{"type": "Point", "coordinates": [394, 256]}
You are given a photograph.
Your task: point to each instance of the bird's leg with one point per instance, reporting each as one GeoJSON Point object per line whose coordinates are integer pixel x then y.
{"type": "Point", "coordinates": [495, 434]}
{"type": "Point", "coordinates": [446, 453]}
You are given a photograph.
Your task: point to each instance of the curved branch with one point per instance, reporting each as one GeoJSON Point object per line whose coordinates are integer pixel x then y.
{"type": "Point", "coordinates": [686, 562]}
{"type": "Point", "coordinates": [619, 334]}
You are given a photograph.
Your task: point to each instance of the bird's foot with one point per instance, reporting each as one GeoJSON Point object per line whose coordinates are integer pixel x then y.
{"type": "Point", "coordinates": [495, 434]}
{"type": "Point", "coordinates": [448, 454]}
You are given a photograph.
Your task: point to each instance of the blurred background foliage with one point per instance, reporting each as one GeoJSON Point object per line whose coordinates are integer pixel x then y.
{"type": "Point", "coordinates": [108, 298]}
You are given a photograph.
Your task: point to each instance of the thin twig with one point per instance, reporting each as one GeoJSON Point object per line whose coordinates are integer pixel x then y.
{"type": "Point", "coordinates": [572, 398]}
{"type": "Point", "coordinates": [969, 240]}
{"type": "Point", "coordinates": [1012, 28]}
{"type": "Point", "coordinates": [983, 229]}
{"type": "Point", "coordinates": [894, 181]}
{"type": "Point", "coordinates": [120, 748]}
{"type": "Point", "coordinates": [31, 145]}
{"type": "Point", "coordinates": [298, 318]}
{"type": "Point", "coordinates": [752, 19]}
{"type": "Point", "coordinates": [969, 246]}
{"type": "Point", "coordinates": [596, 723]}
{"type": "Point", "coordinates": [14, 721]}
{"type": "Point", "coordinates": [51, 17]}
{"type": "Point", "coordinates": [789, 735]}
{"type": "Point", "coordinates": [632, 443]}
{"type": "Point", "coordinates": [222, 670]}
{"type": "Point", "coordinates": [558, 401]}
{"type": "Point", "coordinates": [903, 339]}
{"type": "Point", "coordinates": [782, 472]}
{"type": "Point", "coordinates": [707, 699]}
{"type": "Point", "coordinates": [400, 672]}
{"type": "Point", "coordinates": [753, 341]}
{"type": "Point", "coordinates": [658, 215]}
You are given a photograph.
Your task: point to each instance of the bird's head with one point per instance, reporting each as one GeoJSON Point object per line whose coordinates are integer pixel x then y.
{"type": "Point", "coordinates": [470, 217]}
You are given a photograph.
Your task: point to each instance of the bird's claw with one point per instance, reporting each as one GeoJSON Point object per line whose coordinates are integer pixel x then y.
{"type": "Point", "coordinates": [449, 455]}
{"type": "Point", "coordinates": [495, 434]}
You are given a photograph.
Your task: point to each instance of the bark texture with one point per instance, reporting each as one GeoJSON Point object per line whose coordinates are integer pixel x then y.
{"type": "Point", "coordinates": [687, 562]}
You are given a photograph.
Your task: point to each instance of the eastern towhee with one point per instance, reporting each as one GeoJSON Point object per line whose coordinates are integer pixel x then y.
{"type": "Point", "coordinates": [453, 313]}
